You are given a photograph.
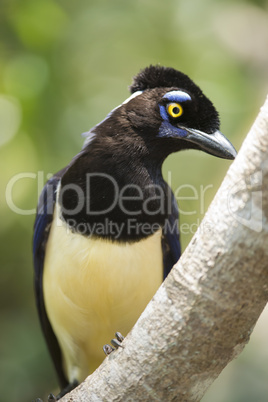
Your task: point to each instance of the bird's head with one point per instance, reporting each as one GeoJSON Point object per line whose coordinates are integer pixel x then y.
{"type": "Point", "coordinates": [168, 112]}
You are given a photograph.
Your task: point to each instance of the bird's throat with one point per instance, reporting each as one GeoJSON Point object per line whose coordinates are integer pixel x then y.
{"type": "Point", "coordinates": [120, 203]}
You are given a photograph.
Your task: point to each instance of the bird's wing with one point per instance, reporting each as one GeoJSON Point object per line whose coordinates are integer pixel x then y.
{"type": "Point", "coordinates": [171, 239]}
{"type": "Point", "coordinates": [42, 226]}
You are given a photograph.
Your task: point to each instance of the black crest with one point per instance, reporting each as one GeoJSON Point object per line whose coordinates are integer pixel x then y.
{"type": "Point", "coordinates": [167, 77]}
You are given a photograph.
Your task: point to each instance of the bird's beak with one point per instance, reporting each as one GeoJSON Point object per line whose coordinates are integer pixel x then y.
{"type": "Point", "coordinates": [215, 144]}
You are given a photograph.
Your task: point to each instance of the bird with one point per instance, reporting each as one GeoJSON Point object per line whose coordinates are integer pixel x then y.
{"type": "Point", "coordinates": [106, 232]}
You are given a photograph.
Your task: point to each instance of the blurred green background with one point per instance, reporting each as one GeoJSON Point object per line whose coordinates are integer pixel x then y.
{"type": "Point", "coordinates": [63, 66]}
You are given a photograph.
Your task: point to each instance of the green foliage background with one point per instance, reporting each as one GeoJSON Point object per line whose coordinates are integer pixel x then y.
{"type": "Point", "coordinates": [63, 66]}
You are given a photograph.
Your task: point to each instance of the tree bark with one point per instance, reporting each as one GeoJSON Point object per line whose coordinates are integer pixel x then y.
{"type": "Point", "coordinates": [203, 314]}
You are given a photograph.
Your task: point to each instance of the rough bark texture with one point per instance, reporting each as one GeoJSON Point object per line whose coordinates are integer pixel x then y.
{"type": "Point", "coordinates": [203, 314]}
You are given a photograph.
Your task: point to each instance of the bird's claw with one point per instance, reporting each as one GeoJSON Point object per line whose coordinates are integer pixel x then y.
{"type": "Point", "coordinates": [108, 349]}
{"type": "Point", "coordinates": [116, 343]}
{"type": "Point", "coordinates": [119, 337]}
{"type": "Point", "coordinates": [50, 398]}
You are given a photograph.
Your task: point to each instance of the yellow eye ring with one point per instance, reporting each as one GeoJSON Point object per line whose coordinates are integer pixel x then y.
{"type": "Point", "coordinates": [174, 109]}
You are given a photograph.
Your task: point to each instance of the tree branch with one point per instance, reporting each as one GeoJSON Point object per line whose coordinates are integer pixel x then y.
{"type": "Point", "coordinates": [203, 314]}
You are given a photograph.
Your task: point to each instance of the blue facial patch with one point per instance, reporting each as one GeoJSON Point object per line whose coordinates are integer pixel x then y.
{"type": "Point", "coordinates": [177, 96]}
{"type": "Point", "coordinates": [168, 130]}
{"type": "Point", "coordinates": [163, 113]}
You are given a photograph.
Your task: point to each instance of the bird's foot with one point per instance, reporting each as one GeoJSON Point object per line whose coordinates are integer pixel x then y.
{"type": "Point", "coordinates": [116, 343]}
{"type": "Point", "coordinates": [64, 391]}
{"type": "Point", "coordinates": [52, 398]}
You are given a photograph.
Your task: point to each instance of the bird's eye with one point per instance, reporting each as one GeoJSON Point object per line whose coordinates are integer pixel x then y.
{"type": "Point", "coordinates": [174, 109]}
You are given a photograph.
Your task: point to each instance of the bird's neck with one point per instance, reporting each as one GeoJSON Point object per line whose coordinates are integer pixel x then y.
{"type": "Point", "coordinates": [119, 196]}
